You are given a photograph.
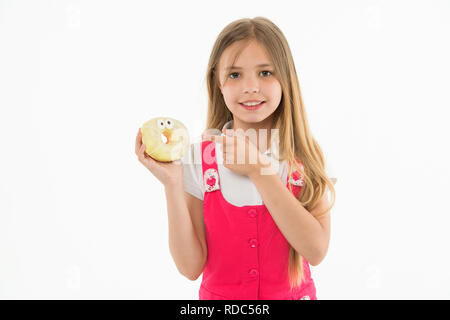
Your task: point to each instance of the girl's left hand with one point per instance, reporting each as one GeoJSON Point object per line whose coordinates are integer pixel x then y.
{"type": "Point", "coordinates": [239, 153]}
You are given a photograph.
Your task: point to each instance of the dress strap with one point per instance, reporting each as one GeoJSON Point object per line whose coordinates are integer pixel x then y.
{"type": "Point", "coordinates": [209, 166]}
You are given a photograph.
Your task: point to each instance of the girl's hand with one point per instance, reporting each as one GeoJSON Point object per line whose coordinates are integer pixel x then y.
{"type": "Point", "coordinates": [239, 153]}
{"type": "Point", "coordinates": [168, 173]}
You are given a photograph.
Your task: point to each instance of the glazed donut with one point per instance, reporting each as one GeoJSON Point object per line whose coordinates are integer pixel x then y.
{"type": "Point", "coordinates": [165, 139]}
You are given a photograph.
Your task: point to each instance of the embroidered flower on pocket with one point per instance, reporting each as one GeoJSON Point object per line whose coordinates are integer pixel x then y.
{"type": "Point", "coordinates": [211, 180]}
{"type": "Point", "coordinates": [296, 179]}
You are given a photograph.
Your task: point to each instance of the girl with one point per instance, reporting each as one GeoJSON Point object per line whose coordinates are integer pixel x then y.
{"type": "Point", "coordinates": [252, 219]}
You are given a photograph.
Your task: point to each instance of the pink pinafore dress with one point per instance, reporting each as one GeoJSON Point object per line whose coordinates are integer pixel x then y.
{"type": "Point", "coordinates": [248, 256]}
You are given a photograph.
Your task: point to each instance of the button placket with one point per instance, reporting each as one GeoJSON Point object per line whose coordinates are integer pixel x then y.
{"type": "Point", "coordinates": [253, 243]}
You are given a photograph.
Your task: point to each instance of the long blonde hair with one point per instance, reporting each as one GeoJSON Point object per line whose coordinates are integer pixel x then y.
{"type": "Point", "coordinates": [296, 140]}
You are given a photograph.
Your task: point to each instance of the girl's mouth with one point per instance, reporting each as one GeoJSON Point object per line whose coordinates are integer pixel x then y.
{"type": "Point", "coordinates": [253, 107]}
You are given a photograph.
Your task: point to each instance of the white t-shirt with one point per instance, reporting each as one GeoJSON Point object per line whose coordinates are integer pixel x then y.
{"type": "Point", "coordinates": [229, 180]}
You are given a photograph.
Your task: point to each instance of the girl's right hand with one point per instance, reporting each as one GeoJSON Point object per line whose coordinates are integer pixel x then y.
{"type": "Point", "coordinates": [168, 173]}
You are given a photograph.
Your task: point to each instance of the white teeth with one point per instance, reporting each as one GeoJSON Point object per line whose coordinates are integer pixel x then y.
{"type": "Point", "coordinates": [251, 103]}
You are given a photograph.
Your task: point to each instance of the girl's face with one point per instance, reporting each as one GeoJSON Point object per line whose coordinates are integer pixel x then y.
{"type": "Point", "coordinates": [247, 80]}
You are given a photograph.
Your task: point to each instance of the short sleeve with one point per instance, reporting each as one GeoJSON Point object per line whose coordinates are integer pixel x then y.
{"type": "Point", "coordinates": [331, 172]}
{"type": "Point", "coordinates": [192, 171]}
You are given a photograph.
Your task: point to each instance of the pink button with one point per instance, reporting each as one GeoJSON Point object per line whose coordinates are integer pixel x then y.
{"type": "Point", "coordinates": [252, 213]}
{"type": "Point", "coordinates": [253, 273]}
{"type": "Point", "coordinates": [253, 243]}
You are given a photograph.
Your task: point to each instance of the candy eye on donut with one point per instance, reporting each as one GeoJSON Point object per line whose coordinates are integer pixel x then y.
{"type": "Point", "coordinates": [169, 124]}
{"type": "Point", "coordinates": [160, 124]}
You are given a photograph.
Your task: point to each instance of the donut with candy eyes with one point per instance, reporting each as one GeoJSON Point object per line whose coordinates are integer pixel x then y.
{"type": "Point", "coordinates": [165, 139]}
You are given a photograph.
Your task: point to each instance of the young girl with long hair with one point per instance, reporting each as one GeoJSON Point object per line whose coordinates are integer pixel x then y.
{"type": "Point", "coordinates": [250, 218]}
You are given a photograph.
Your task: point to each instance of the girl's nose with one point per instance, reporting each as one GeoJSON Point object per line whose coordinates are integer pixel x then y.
{"type": "Point", "coordinates": [251, 84]}
{"type": "Point", "coordinates": [251, 87]}
{"type": "Point", "coordinates": [254, 89]}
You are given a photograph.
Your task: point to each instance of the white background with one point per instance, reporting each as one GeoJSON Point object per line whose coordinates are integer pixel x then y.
{"type": "Point", "coordinates": [80, 217]}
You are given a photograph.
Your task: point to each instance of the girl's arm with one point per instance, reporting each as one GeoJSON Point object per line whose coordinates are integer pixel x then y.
{"type": "Point", "coordinates": [186, 231]}
{"type": "Point", "coordinates": [306, 234]}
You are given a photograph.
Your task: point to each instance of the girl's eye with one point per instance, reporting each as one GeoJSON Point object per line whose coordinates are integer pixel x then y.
{"type": "Point", "coordinates": [238, 73]}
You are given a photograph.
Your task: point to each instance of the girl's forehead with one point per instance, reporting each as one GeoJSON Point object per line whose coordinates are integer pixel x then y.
{"type": "Point", "coordinates": [249, 55]}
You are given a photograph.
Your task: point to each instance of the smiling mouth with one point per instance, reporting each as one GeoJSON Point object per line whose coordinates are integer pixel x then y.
{"type": "Point", "coordinates": [252, 107]}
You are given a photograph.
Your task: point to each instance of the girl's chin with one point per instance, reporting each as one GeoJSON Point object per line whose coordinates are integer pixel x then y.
{"type": "Point", "coordinates": [247, 117]}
